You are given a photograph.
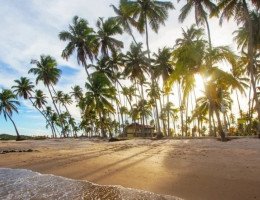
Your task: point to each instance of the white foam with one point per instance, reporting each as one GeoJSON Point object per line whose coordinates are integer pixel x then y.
{"type": "Point", "coordinates": [16, 184]}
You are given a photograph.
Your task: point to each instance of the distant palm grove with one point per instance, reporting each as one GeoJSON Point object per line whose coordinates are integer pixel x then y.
{"type": "Point", "coordinates": [132, 84]}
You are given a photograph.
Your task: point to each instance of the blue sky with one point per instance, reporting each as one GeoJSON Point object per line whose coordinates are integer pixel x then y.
{"type": "Point", "coordinates": [30, 28]}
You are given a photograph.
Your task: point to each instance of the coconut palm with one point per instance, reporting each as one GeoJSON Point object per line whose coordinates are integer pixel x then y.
{"type": "Point", "coordinates": [240, 10]}
{"type": "Point", "coordinates": [8, 105]}
{"type": "Point", "coordinates": [46, 71]}
{"type": "Point", "coordinates": [77, 92]}
{"type": "Point", "coordinates": [39, 99]}
{"type": "Point", "coordinates": [150, 12]}
{"type": "Point", "coordinates": [136, 63]}
{"type": "Point", "coordinates": [24, 89]}
{"type": "Point", "coordinates": [105, 40]}
{"type": "Point", "coordinates": [201, 16]}
{"type": "Point", "coordinates": [81, 39]}
{"type": "Point", "coordinates": [99, 92]}
{"type": "Point", "coordinates": [123, 18]}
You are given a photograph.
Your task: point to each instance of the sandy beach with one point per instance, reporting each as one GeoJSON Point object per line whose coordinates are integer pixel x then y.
{"type": "Point", "coordinates": [189, 169]}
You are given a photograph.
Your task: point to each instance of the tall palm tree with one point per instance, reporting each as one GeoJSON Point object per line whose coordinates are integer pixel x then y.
{"type": "Point", "coordinates": [106, 30]}
{"type": "Point", "coordinates": [123, 18]}
{"type": "Point", "coordinates": [99, 92]}
{"type": "Point", "coordinates": [136, 63]}
{"type": "Point", "coordinates": [240, 10]}
{"type": "Point", "coordinates": [47, 72]}
{"type": "Point", "coordinates": [201, 16]}
{"type": "Point", "coordinates": [150, 12]}
{"type": "Point", "coordinates": [81, 39]}
{"type": "Point", "coordinates": [8, 105]}
{"type": "Point", "coordinates": [153, 13]}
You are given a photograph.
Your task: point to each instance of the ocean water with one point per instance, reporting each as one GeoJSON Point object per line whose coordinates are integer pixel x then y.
{"type": "Point", "coordinates": [24, 184]}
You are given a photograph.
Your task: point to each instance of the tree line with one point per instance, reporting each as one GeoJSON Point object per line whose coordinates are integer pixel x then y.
{"type": "Point", "coordinates": [155, 88]}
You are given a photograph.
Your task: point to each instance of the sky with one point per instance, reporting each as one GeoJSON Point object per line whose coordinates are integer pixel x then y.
{"type": "Point", "coordinates": [30, 28]}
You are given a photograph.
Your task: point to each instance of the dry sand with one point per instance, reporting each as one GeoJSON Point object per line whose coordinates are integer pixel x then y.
{"type": "Point", "coordinates": [190, 169]}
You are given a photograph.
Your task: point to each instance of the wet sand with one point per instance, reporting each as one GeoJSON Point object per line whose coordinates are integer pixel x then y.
{"type": "Point", "coordinates": [189, 169]}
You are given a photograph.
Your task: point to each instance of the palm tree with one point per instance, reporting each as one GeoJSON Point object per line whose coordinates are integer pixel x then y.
{"type": "Point", "coordinates": [77, 92]}
{"type": "Point", "coordinates": [123, 18]}
{"type": "Point", "coordinates": [163, 67]}
{"type": "Point", "coordinates": [24, 88]}
{"type": "Point", "coordinates": [150, 12]}
{"type": "Point", "coordinates": [8, 105]}
{"type": "Point", "coordinates": [39, 99]}
{"type": "Point", "coordinates": [201, 16]}
{"type": "Point", "coordinates": [136, 64]}
{"type": "Point", "coordinates": [47, 72]}
{"type": "Point", "coordinates": [240, 10]}
{"type": "Point", "coordinates": [99, 92]}
{"type": "Point", "coordinates": [106, 30]}
{"type": "Point", "coordinates": [82, 39]}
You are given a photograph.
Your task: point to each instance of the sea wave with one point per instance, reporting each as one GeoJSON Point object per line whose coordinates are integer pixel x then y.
{"type": "Point", "coordinates": [22, 184]}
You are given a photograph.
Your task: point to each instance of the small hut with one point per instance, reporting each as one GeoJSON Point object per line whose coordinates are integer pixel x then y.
{"type": "Point", "coordinates": [138, 130]}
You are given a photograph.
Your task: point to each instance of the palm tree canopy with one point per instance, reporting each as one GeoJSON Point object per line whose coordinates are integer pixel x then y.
{"type": "Point", "coordinates": [150, 11]}
{"type": "Point", "coordinates": [200, 6]}
{"type": "Point", "coordinates": [136, 63]}
{"type": "Point", "coordinates": [124, 12]}
{"type": "Point", "coordinates": [46, 70]}
{"type": "Point", "coordinates": [8, 103]}
{"type": "Point", "coordinates": [106, 30]}
{"type": "Point", "coordinates": [24, 87]}
{"type": "Point", "coordinates": [82, 39]}
{"type": "Point", "coordinates": [242, 34]}
{"type": "Point", "coordinates": [39, 99]}
{"type": "Point", "coordinates": [77, 92]}
{"type": "Point", "coordinates": [162, 65]}
{"type": "Point", "coordinates": [99, 92]}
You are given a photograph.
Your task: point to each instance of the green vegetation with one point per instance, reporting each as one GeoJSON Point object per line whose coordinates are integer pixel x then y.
{"type": "Point", "coordinates": [22, 137]}
{"type": "Point", "coordinates": [155, 88]}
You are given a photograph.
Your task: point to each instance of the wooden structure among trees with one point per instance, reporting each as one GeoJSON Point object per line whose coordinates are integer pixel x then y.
{"type": "Point", "coordinates": [138, 130]}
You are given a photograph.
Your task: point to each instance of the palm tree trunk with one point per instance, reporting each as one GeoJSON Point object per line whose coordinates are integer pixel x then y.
{"type": "Point", "coordinates": [152, 76]}
{"type": "Point", "coordinates": [181, 108]}
{"type": "Point", "coordinates": [168, 115]}
{"type": "Point", "coordinates": [53, 131]}
{"type": "Point", "coordinates": [125, 95]}
{"type": "Point", "coordinates": [18, 137]}
{"type": "Point", "coordinates": [208, 30]}
{"type": "Point", "coordinates": [186, 121]}
{"type": "Point", "coordinates": [163, 121]}
{"type": "Point", "coordinates": [251, 63]}
{"type": "Point", "coordinates": [239, 107]}
{"type": "Point", "coordinates": [55, 106]}
{"type": "Point", "coordinates": [220, 128]}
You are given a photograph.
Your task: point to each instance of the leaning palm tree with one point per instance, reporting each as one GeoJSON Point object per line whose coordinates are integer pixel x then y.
{"type": "Point", "coordinates": [8, 105]}
{"type": "Point", "coordinates": [24, 88]}
{"type": "Point", "coordinates": [47, 72]}
{"type": "Point", "coordinates": [106, 30]}
{"type": "Point", "coordinates": [81, 39]}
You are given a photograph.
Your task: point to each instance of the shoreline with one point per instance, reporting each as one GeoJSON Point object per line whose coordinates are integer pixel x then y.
{"type": "Point", "coordinates": [189, 169]}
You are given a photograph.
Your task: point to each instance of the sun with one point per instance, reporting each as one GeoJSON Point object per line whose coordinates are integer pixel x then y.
{"type": "Point", "coordinates": [199, 85]}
